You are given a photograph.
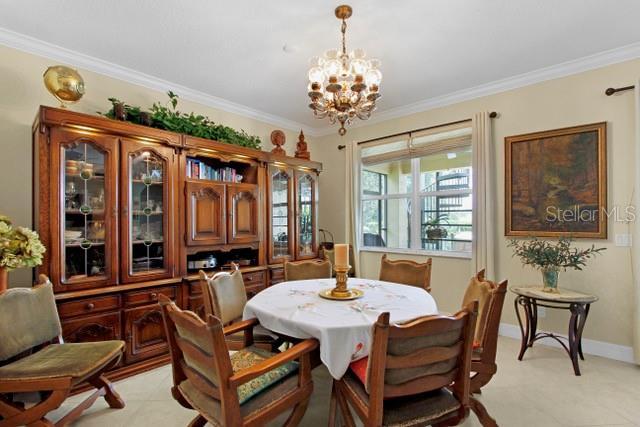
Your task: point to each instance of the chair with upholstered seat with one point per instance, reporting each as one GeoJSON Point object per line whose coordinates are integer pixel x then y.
{"type": "Point", "coordinates": [490, 297]}
{"type": "Point", "coordinates": [31, 362]}
{"type": "Point", "coordinates": [406, 272]}
{"type": "Point", "coordinates": [249, 387]}
{"type": "Point", "coordinates": [417, 373]}
{"type": "Point", "coordinates": [224, 297]}
{"type": "Point", "coordinates": [307, 270]}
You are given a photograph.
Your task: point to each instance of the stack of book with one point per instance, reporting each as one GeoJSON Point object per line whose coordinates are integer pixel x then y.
{"type": "Point", "coordinates": [200, 170]}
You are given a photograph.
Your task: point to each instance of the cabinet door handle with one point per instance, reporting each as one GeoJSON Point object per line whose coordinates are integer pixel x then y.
{"type": "Point", "coordinates": [154, 296]}
{"type": "Point", "coordinates": [89, 306]}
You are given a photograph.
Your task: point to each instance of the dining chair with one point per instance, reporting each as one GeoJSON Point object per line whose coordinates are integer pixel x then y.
{"type": "Point", "coordinates": [330, 254]}
{"type": "Point", "coordinates": [249, 387]}
{"type": "Point", "coordinates": [417, 373]}
{"type": "Point", "coordinates": [490, 297]}
{"type": "Point", "coordinates": [34, 360]}
{"type": "Point", "coordinates": [406, 272]}
{"type": "Point", "coordinates": [306, 270]}
{"type": "Point", "coordinates": [224, 296]}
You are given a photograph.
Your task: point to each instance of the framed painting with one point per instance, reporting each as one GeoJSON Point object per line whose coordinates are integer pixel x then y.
{"type": "Point", "coordinates": [556, 183]}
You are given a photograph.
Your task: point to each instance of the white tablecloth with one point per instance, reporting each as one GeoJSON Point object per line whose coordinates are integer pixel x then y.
{"type": "Point", "coordinates": [342, 327]}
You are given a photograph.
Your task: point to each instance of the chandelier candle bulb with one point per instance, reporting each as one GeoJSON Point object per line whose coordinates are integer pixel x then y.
{"type": "Point", "coordinates": [341, 254]}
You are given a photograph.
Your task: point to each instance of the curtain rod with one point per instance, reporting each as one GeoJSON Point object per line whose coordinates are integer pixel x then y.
{"type": "Point", "coordinates": [492, 114]}
{"type": "Point", "coordinates": [611, 90]}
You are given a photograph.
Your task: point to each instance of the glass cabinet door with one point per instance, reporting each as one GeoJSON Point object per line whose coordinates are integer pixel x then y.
{"type": "Point", "coordinates": [280, 218]}
{"type": "Point", "coordinates": [147, 241]}
{"type": "Point", "coordinates": [86, 209]}
{"type": "Point", "coordinates": [306, 246]}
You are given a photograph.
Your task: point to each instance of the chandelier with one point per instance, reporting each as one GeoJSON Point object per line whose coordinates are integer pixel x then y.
{"type": "Point", "coordinates": [344, 86]}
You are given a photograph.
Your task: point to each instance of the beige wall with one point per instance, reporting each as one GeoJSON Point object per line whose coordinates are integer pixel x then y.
{"type": "Point", "coordinates": [569, 101]}
{"type": "Point", "coordinates": [22, 91]}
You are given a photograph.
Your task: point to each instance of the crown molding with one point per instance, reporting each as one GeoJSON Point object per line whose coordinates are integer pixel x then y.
{"type": "Point", "coordinates": [576, 66]}
{"type": "Point", "coordinates": [39, 47]}
{"type": "Point", "coordinates": [48, 50]}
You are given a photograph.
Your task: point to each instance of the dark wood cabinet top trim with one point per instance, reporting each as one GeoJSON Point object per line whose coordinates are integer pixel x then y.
{"type": "Point", "coordinates": [82, 121]}
{"type": "Point", "coordinates": [87, 122]}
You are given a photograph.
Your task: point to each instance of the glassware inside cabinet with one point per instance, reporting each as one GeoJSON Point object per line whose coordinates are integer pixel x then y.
{"type": "Point", "coordinates": [305, 215]}
{"type": "Point", "coordinates": [280, 213]}
{"type": "Point", "coordinates": [146, 217]}
{"type": "Point", "coordinates": [84, 211]}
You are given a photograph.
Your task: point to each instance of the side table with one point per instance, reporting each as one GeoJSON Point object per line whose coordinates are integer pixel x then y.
{"type": "Point", "coordinates": [530, 298]}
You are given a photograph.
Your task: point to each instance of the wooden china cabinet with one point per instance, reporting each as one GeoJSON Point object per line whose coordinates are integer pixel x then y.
{"type": "Point", "coordinates": [292, 189]}
{"type": "Point", "coordinates": [129, 212]}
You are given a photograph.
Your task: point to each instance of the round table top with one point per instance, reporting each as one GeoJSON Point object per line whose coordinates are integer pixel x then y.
{"type": "Point", "coordinates": [343, 328]}
{"type": "Point", "coordinates": [562, 296]}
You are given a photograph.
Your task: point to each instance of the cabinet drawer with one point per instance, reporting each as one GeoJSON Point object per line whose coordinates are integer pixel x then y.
{"type": "Point", "coordinates": [252, 290]}
{"type": "Point", "coordinates": [253, 278]}
{"type": "Point", "coordinates": [88, 306]}
{"type": "Point", "coordinates": [99, 327]}
{"type": "Point", "coordinates": [276, 275]}
{"type": "Point", "coordinates": [148, 296]}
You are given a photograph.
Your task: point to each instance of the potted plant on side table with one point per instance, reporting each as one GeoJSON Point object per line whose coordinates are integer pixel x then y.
{"type": "Point", "coordinates": [552, 256]}
{"type": "Point", "coordinates": [19, 247]}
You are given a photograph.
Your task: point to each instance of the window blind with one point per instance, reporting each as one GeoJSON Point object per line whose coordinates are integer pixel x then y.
{"type": "Point", "coordinates": [417, 144]}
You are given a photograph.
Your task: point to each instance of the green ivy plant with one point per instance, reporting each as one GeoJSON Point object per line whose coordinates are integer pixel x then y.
{"type": "Point", "coordinates": [168, 117]}
{"type": "Point", "coordinates": [545, 254]}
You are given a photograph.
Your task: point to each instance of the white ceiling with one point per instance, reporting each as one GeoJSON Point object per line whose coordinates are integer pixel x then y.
{"type": "Point", "coordinates": [234, 49]}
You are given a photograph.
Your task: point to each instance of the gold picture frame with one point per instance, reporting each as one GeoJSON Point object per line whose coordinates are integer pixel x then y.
{"type": "Point", "coordinates": [556, 183]}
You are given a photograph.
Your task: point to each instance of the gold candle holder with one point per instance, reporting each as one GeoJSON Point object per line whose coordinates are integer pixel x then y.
{"type": "Point", "coordinates": [341, 291]}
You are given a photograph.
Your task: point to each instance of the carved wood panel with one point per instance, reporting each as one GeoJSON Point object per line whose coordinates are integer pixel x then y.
{"type": "Point", "coordinates": [205, 214]}
{"type": "Point", "coordinates": [144, 332]}
{"type": "Point", "coordinates": [243, 213]}
{"type": "Point", "coordinates": [101, 327]}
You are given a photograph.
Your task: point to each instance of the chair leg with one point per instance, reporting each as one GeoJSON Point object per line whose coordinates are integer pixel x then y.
{"type": "Point", "coordinates": [347, 418]}
{"type": "Point", "coordinates": [198, 421]}
{"type": "Point", "coordinates": [110, 395]}
{"type": "Point", "coordinates": [15, 415]}
{"type": "Point", "coordinates": [481, 412]}
{"type": "Point", "coordinates": [333, 413]}
{"type": "Point", "coordinates": [297, 413]}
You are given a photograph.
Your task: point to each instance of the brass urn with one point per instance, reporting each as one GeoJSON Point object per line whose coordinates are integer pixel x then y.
{"type": "Point", "coordinates": [65, 83]}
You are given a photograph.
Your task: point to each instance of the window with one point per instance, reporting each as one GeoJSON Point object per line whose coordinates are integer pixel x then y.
{"type": "Point", "coordinates": [416, 191]}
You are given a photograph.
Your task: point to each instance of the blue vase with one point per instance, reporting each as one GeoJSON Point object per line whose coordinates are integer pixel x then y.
{"type": "Point", "coordinates": [550, 279]}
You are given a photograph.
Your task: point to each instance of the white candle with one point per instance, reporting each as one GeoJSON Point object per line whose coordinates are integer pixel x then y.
{"type": "Point", "coordinates": [342, 254]}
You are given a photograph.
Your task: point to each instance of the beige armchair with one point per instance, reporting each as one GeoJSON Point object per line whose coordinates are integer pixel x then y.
{"type": "Point", "coordinates": [225, 297]}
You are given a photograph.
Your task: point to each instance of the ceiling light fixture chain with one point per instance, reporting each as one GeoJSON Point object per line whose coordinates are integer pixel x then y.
{"type": "Point", "coordinates": [344, 86]}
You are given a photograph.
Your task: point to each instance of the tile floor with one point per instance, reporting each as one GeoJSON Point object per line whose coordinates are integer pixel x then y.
{"type": "Point", "coordinates": [539, 391]}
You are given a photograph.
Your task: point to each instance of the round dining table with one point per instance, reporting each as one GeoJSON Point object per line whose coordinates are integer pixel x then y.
{"type": "Point", "coordinates": [343, 328]}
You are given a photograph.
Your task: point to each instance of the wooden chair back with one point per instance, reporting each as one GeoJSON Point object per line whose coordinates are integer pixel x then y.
{"type": "Point", "coordinates": [224, 295]}
{"type": "Point", "coordinates": [490, 297]}
{"type": "Point", "coordinates": [422, 355]}
{"type": "Point", "coordinates": [198, 351]}
{"type": "Point", "coordinates": [406, 272]}
{"type": "Point", "coordinates": [28, 318]}
{"type": "Point", "coordinates": [306, 270]}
